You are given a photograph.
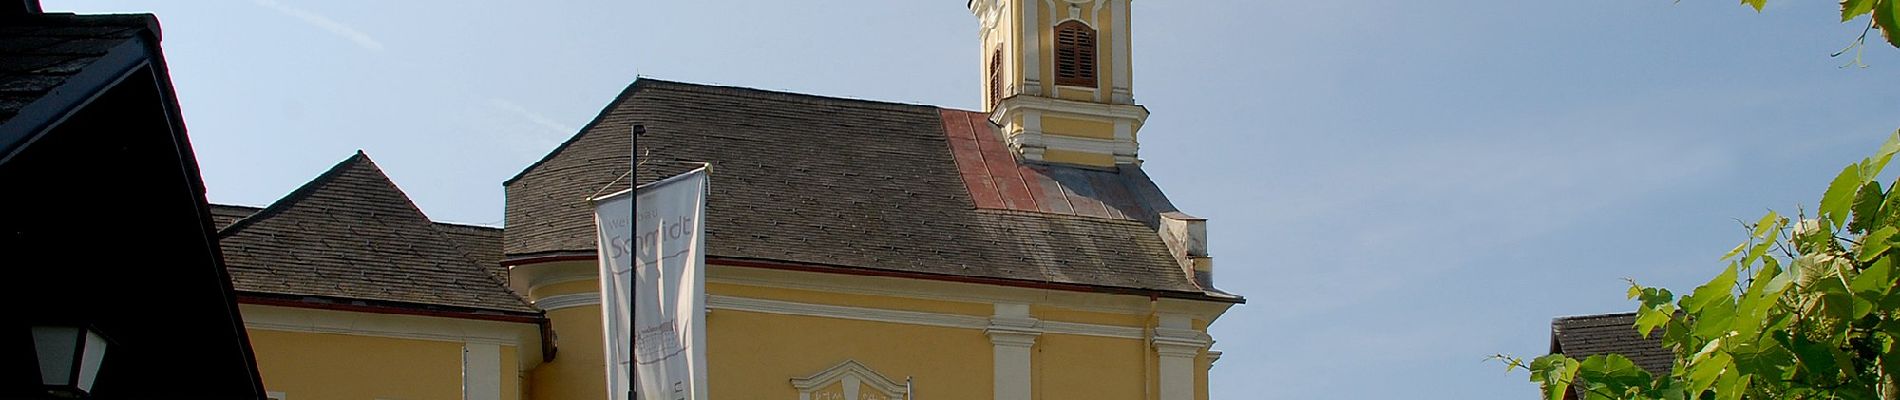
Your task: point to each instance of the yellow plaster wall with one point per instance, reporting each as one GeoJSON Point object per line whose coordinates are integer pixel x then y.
{"type": "Point", "coordinates": [852, 300]}
{"type": "Point", "coordinates": [754, 355]}
{"type": "Point", "coordinates": [1200, 375]}
{"type": "Point", "coordinates": [319, 366]}
{"type": "Point", "coordinates": [511, 369]}
{"type": "Point", "coordinates": [1077, 157]}
{"type": "Point", "coordinates": [1077, 127]}
{"type": "Point", "coordinates": [1087, 367]}
{"type": "Point", "coordinates": [578, 370]}
{"type": "Point", "coordinates": [1074, 93]}
{"type": "Point", "coordinates": [1051, 313]}
{"type": "Point", "coordinates": [581, 286]}
{"type": "Point", "coordinates": [1105, 51]}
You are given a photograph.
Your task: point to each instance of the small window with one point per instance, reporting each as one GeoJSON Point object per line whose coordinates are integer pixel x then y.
{"type": "Point", "coordinates": [1075, 54]}
{"type": "Point", "coordinates": [996, 78]}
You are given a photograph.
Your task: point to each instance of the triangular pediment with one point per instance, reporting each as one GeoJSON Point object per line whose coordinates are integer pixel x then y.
{"type": "Point", "coordinates": [848, 380]}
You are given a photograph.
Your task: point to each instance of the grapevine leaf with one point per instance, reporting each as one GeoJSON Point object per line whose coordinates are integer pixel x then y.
{"type": "Point", "coordinates": [1855, 8]}
{"type": "Point", "coordinates": [1887, 16]}
{"type": "Point", "coordinates": [1866, 207]}
{"type": "Point", "coordinates": [1872, 283]}
{"type": "Point", "coordinates": [1712, 292]}
{"type": "Point", "coordinates": [1840, 195]}
{"type": "Point", "coordinates": [1875, 244]}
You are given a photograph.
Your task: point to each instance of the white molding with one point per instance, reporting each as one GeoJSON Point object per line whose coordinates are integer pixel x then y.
{"type": "Point", "coordinates": [275, 396]}
{"type": "Point", "coordinates": [854, 377]}
{"type": "Point", "coordinates": [563, 301]}
{"type": "Point", "coordinates": [481, 371]}
{"type": "Point", "coordinates": [918, 318]}
{"type": "Point", "coordinates": [1072, 328]}
{"type": "Point", "coordinates": [1213, 356]}
{"type": "Point", "coordinates": [959, 292]}
{"type": "Point", "coordinates": [291, 319]}
{"type": "Point", "coordinates": [1026, 103]}
{"type": "Point", "coordinates": [844, 312]}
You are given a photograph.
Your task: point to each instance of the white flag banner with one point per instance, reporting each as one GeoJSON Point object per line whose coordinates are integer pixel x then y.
{"type": "Point", "coordinates": [665, 295]}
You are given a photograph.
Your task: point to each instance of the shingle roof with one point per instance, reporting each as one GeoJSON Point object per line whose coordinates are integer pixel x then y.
{"type": "Point", "coordinates": [352, 234]}
{"type": "Point", "coordinates": [482, 243]}
{"type": "Point", "coordinates": [40, 52]}
{"type": "Point", "coordinates": [1588, 335]}
{"type": "Point", "coordinates": [826, 181]}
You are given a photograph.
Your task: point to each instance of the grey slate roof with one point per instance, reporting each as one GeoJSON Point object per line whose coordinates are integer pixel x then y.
{"type": "Point", "coordinates": [352, 234]}
{"type": "Point", "coordinates": [482, 243]}
{"type": "Point", "coordinates": [823, 181]}
{"type": "Point", "coordinates": [38, 54]}
{"type": "Point", "coordinates": [1587, 335]}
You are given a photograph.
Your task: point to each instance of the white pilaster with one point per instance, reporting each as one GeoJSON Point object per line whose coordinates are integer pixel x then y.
{"type": "Point", "coordinates": [481, 371]}
{"type": "Point", "coordinates": [1012, 333]}
{"type": "Point", "coordinates": [1176, 342]}
{"type": "Point", "coordinates": [1125, 133]}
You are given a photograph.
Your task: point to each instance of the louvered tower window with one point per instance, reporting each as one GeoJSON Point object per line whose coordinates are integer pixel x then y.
{"type": "Point", "coordinates": [1075, 54]}
{"type": "Point", "coordinates": [996, 78]}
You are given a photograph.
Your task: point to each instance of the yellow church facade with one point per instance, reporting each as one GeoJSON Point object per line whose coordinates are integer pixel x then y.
{"type": "Point", "coordinates": [857, 249]}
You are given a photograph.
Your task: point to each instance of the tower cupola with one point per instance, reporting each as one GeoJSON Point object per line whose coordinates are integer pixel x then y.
{"type": "Point", "coordinates": [1058, 81]}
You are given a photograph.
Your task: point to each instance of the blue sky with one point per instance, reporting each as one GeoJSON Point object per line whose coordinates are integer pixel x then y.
{"type": "Point", "coordinates": [1400, 188]}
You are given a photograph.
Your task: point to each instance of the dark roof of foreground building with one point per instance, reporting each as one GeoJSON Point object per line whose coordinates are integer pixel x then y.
{"type": "Point", "coordinates": [854, 184]}
{"type": "Point", "coordinates": [352, 234]}
{"type": "Point", "coordinates": [1588, 335]}
{"type": "Point", "coordinates": [50, 62]}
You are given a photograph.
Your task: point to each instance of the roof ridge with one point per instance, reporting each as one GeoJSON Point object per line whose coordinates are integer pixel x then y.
{"type": "Point", "coordinates": [339, 172]}
{"type": "Point", "coordinates": [1593, 316]}
{"type": "Point", "coordinates": [624, 95]}
{"type": "Point", "coordinates": [299, 194]}
{"type": "Point", "coordinates": [780, 94]}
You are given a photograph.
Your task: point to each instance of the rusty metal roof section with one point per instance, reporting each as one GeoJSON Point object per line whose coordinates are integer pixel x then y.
{"type": "Point", "coordinates": [997, 179]}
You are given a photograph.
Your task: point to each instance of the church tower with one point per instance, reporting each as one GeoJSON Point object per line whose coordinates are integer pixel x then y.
{"type": "Point", "coordinates": [1058, 80]}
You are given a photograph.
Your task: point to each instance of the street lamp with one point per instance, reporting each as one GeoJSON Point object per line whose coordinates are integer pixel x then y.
{"type": "Point", "coordinates": [69, 358]}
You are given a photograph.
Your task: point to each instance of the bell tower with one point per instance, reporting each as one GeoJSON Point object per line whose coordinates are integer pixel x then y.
{"type": "Point", "coordinates": [1058, 80]}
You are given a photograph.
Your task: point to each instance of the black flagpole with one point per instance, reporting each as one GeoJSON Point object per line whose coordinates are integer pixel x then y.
{"type": "Point", "coordinates": [633, 383]}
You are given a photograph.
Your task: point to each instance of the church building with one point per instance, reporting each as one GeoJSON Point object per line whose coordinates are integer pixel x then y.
{"type": "Point", "coordinates": [856, 249]}
{"type": "Point", "coordinates": [1014, 252]}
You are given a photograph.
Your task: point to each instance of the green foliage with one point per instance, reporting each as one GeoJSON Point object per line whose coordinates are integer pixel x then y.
{"type": "Point", "coordinates": [1883, 12]}
{"type": "Point", "coordinates": [1825, 327]}
{"type": "Point", "coordinates": [1884, 16]}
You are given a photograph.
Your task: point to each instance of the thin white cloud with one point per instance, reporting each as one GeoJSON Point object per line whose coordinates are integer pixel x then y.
{"type": "Point", "coordinates": [325, 23]}
{"type": "Point", "coordinates": [537, 118]}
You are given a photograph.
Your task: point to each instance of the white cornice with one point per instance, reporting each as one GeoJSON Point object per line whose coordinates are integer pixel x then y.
{"type": "Point", "coordinates": [526, 337]}
{"type": "Point", "coordinates": [1016, 104]}
{"type": "Point", "coordinates": [561, 301]}
{"type": "Point", "coordinates": [995, 325]}
{"type": "Point", "coordinates": [843, 312]}
{"type": "Point", "coordinates": [1091, 145]}
{"type": "Point", "coordinates": [959, 292]}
